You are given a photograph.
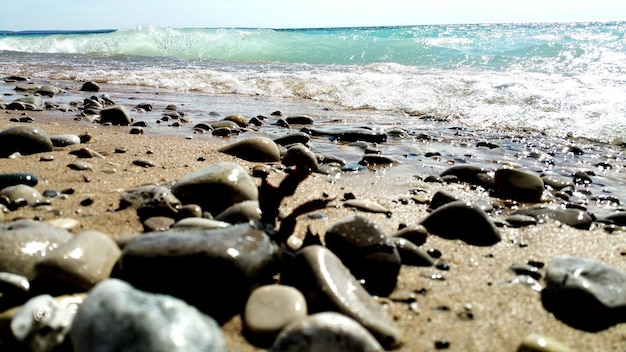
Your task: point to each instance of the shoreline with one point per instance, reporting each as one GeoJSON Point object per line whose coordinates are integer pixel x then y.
{"type": "Point", "coordinates": [479, 280]}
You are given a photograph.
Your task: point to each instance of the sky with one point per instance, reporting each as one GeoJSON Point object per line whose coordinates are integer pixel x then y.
{"type": "Point", "coordinates": [117, 14]}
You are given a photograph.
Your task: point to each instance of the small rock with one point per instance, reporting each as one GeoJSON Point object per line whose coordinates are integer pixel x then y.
{"type": "Point", "coordinates": [116, 115]}
{"type": "Point", "coordinates": [63, 140]}
{"type": "Point", "coordinates": [518, 185]}
{"type": "Point", "coordinates": [328, 331]}
{"type": "Point", "coordinates": [542, 343]}
{"type": "Point", "coordinates": [25, 140]}
{"type": "Point", "coordinates": [90, 87]}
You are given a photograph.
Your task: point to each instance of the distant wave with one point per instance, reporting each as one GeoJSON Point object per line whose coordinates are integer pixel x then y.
{"type": "Point", "coordinates": [563, 48]}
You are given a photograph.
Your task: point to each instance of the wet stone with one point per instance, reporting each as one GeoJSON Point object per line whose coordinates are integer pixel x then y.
{"type": "Point", "coordinates": [557, 182]}
{"type": "Point", "coordinates": [90, 87]}
{"type": "Point", "coordinates": [198, 224]}
{"type": "Point", "coordinates": [576, 218]}
{"type": "Point", "coordinates": [157, 223]}
{"type": "Point", "coordinates": [256, 149]}
{"type": "Point", "coordinates": [293, 138]}
{"type": "Point", "coordinates": [416, 234]}
{"type": "Point", "coordinates": [216, 187]}
{"type": "Point", "coordinates": [328, 331]}
{"type": "Point", "coordinates": [83, 261]}
{"type": "Point", "coordinates": [518, 185]}
{"type": "Point", "coordinates": [272, 307]}
{"type": "Point", "coordinates": [471, 174]}
{"type": "Point", "coordinates": [14, 179]}
{"type": "Point", "coordinates": [24, 140]}
{"type": "Point", "coordinates": [585, 293]}
{"type": "Point", "coordinates": [25, 242]}
{"type": "Point", "coordinates": [31, 103]}
{"type": "Point", "coordinates": [300, 157]}
{"type": "Point", "coordinates": [441, 198]}
{"type": "Point", "coordinates": [240, 120]}
{"type": "Point", "coordinates": [369, 254]}
{"type": "Point", "coordinates": [519, 220]}
{"type": "Point", "coordinates": [151, 200]}
{"type": "Point", "coordinates": [348, 135]}
{"type": "Point", "coordinates": [144, 163]}
{"type": "Point", "coordinates": [329, 286]}
{"type": "Point", "coordinates": [117, 317]}
{"type": "Point", "coordinates": [241, 212]}
{"type": "Point", "coordinates": [365, 205]}
{"type": "Point", "coordinates": [411, 254]}
{"type": "Point", "coordinates": [169, 262]}
{"type": "Point", "coordinates": [464, 221]}
{"type": "Point", "coordinates": [116, 115]}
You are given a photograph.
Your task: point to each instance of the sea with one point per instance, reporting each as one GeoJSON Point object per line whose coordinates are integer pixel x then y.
{"type": "Point", "coordinates": [559, 79]}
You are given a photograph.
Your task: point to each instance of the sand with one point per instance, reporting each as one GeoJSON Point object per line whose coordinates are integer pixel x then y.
{"type": "Point", "coordinates": [475, 306]}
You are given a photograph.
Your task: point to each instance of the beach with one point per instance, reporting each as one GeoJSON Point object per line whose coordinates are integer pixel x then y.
{"type": "Point", "coordinates": [482, 165]}
{"type": "Point", "coordinates": [478, 304]}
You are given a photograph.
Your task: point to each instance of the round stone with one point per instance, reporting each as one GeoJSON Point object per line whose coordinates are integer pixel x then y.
{"type": "Point", "coordinates": [258, 149]}
{"type": "Point", "coordinates": [24, 140]}
{"type": "Point", "coordinates": [270, 308]}
{"type": "Point", "coordinates": [519, 185]}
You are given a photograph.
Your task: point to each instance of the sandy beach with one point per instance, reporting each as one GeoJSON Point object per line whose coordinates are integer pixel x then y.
{"type": "Point", "coordinates": [476, 305]}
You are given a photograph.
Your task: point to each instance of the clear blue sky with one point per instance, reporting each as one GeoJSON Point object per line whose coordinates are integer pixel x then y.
{"type": "Point", "coordinates": [82, 14]}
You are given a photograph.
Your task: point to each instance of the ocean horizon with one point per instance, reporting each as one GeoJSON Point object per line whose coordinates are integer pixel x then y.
{"type": "Point", "coordinates": [561, 78]}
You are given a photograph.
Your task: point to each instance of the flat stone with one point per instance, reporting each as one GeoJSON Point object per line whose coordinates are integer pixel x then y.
{"type": "Point", "coordinates": [24, 140]}
{"type": "Point", "coordinates": [471, 174]}
{"type": "Point", "coordinates": [216, 187]}
{"type": "Point", "coordinates": [328, 331]}
{"type": "Point", "coordinates": [117, 317]}
{"type": "Point", "coordinates": [63, 140]}
{"type": "Point", "coordinates": [463, 221]}
{"type": "Point", "coordinates": [258, 149]}
{"type": "Point", "coordinates": [576, 218]}
{"type": "Point", "coordinates": [411, 254]}
{"type": "Point", "coordinates": [542, 343]}
{"type": "Point", "coordinates": [329, 286]}
{"type": "Point", "coordinates": [241, 212]}
{"type": "Point", "coordinates": [83, 261]}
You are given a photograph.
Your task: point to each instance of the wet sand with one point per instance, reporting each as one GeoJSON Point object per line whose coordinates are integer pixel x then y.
{"type": "Point", "coordinates": [475, 305]}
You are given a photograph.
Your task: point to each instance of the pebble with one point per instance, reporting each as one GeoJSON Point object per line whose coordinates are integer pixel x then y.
{"type": "Point", "coordinates": [329, 286]}
{"type": "Point", "coordinates": [464, 221]}
{"type": "Point", "coordinates": [293, 138]}
{"type": "Point", "coordinates": [301, 157]}
{"type": "Point", "coordinates": [43, 322]}
{"type": "Point", "coordinates": [272, 307]}
{"type": "Point", "coordinates": [21, 194]}
{"type": "Point", "coordinates": [117, 317]}
{"type": "Point", "coordinates": [24, 242]}
{"type": "Point", "coordinates": [198, 224]}
{"type": "Point", "coordinates": [586, 293]}
{"type": "Point", "coordinates": [519, 220]}
{"type": "Point", "coordinates": [411, 254]}
{"type": "Point", "coordinates": [21, 178]}
{"type": "Point", "coordinates": [80, 166]}
{"type": "Point", "coordinates": [348, 135]}
{"type": "Point", "coordinates": [240, 120]}
{"type": "Point", "coordinates": [90, 87]}
{"type": "Point", "coordinates": [327, 331]}
{"type": "Point", "coordinates": [300, 120]}
{"type": "Point", "coordinates": [365, 205]}
{"type": "Point", "coordinates": [256, 149]}
{"type": "Point", "coordinates": [518, 185]}
{"type": "Point", "coordinates": [369, 254]}
{"type": "Point", "coordinates": [541, 343]}
{"type": "Point", "coordinates": [32, 103]}
{"type": "Point", "coordinates": [170, 262]}
{"type": "Point", "coordinates": [471, 174]}
{"type": "Point", "coordinates": [157, 223]}
{"type": "Point", "coordinates": [24, 140]}
{"type": "Point", "coordinates": [216, 187]}
{"type": "Point", "coordinates": [416, 234]}
{"type": "Point", "coordinates": [83, 261]}
{"type": "Point", "coordinates": [116, 115]}
{"type": "Point", "coordinates": [576, 218]}
{"type": "Point", "coordinates": [63, 140]}
{"type": "Point", "coordinates": [151, 200]}
{"type": "Point", "coordinates": [144, 163]}
{"type": "Point", "coordinates": [241, 212]}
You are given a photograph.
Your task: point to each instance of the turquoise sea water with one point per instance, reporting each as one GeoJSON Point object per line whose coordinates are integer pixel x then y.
{"type": "Point", "coordinates": [554, 77]}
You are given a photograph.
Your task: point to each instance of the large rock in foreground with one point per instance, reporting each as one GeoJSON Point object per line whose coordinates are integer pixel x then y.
{"type": "Point", "coordinates": [117, 317]}
{"type": "Point", "coordinates": [25, 140]}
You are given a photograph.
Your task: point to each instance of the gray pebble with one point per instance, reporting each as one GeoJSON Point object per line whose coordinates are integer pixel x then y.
{"type": "Point", "coordinates": [518, 185]}
{"type": "Point", "coordinates": [21, 195]}
{"type": "Point", "coordinates": [63, 140]}
{"type": "Point", "coordinates": [116, 115]}
{"type": "Point", "coordinates": [117, 317]}
{"type": "Point", "coordinates": [329, 286]}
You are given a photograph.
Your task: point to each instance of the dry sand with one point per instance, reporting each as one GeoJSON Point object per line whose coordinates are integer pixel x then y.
{"type": "Point", "coordinates": [475, 307]}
